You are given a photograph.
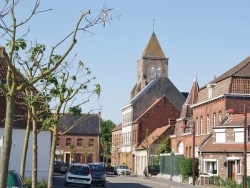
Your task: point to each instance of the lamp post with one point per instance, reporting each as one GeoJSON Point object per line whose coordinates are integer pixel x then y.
{"type": "Point", "coordinates": [193, 153]}
{"type": "Point", "coordinates": [245, 147]}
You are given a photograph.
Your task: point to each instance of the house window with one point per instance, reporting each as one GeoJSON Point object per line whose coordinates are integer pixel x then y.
{"type": "Point", "coordinates": [68, 142]}
{"type": "Point", "coordinates": [91, 142]}
{"type": "Point", "coordinates": [58, 142]}
{"type": "Point", "coordinates": [181, 148]}
{"type": "Point", "coordinates": [220, 136]}
{"type": "Point", "coordinates": [220, 116]}
{"type": "Point", "coordinates": [210, 167]}
{"type": "Point", "coordinates": [201, 125]}
{"type": "Point", "coordinates": [208, 124]}
{"type": "Point", "coordinates": [90, 158]}
{"type": "Point", "coordinates": [197, 126]}
{"type": "Point", "coordinates": [78, 157]}
{"type": "Point", "coordinates": [210, 90]}
{"type": "Point", "coordinates": [152, 72]}
{"type": "Point", "coordinates": [79, 142]}
{"type": "Point", "coordinates": [239, 135]}
{"type": "Point", "coordinates": [214, 119]}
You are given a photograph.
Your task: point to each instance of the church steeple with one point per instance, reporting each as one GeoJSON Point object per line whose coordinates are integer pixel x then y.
{"type": "Point", "coordinates": [153, 64]}
{"type": "Point", "coordinates": [153, 49]}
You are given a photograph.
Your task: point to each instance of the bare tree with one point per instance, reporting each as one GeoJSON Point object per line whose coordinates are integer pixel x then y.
{"type": "Point", "coordinates": [15, 82]}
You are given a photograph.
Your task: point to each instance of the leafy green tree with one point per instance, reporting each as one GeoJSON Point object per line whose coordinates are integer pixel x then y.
{"type": "Point", "coordinates": [165, 147]}
{"type": "Point", "coordinates": [106, 138]}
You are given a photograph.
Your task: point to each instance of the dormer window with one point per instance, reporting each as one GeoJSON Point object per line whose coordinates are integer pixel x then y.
{"type": "Point", "coordinates": [220, 135]}
{"type": "Point", "coordinates": [210, 90]}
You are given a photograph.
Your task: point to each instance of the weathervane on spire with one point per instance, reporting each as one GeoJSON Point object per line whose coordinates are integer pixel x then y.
{"type": "Point", "coordinates": [153, 25]}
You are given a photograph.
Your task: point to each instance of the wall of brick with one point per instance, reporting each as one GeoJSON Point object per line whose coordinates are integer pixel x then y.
{"type": "Point", "coordinates": [85, 141]}
{"type": "Point", "coordinates": [156, 117]}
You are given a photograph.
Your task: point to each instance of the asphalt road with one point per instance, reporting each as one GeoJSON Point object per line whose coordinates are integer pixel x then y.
{"type": "Point", "coordinates": [114, 181]}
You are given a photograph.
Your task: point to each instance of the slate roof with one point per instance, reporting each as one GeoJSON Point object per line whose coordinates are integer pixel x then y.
{"type": "Point", "coordinates": [162, 86]}
{"type": "Point", "coordinates": [153, 49]}
{"type": "Point", "coordinates": [154, 136]}
{"type": "Point", "coordinates": [90, 124]}
{"type": "Point", "coordinates": [231, 121]}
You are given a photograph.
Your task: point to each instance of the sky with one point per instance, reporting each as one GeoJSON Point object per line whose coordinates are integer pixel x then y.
{"type": "Point", "coordinates": [202, 39]}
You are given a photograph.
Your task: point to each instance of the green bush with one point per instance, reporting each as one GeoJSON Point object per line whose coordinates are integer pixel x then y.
{"type": "Point", "coordinates": [228, 183]}
{"type": "Point", "coordinates": [28, 182]}
{"type": "Point", "coordinates": [187, 168]}
{"type": "Point", "coordinates": [40, 184]}
{"type": "Point", "coordinates": [216, 180]}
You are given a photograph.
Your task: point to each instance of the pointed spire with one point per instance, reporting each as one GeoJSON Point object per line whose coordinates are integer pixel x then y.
{"type": "Point", "coordinates": [193, 94]}
{"type": "Point", "coordinates": [153, 49]}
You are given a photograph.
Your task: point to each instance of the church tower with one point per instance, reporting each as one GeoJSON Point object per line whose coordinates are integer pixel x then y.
{"type": "Point", "coordinates": [152, 64]}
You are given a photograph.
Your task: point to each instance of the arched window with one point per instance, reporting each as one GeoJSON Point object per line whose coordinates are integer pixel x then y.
{"type": "Point", "coordinates": [214, 119]}
{"type": "Point", "coordinates": [181, 148]}
{"type": "Point", "coordinates": [201, 125]}
{"type": "Point", "coordinates": [208, 124]}
{"type": "Point", "coordinates": [152, 72]}
{"type": "Point", "coordinates": [158, 71]}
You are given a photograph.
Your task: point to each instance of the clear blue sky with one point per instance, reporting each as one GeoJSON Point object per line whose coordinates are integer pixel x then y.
{"type": "Point", "coordinates": [203, 38]}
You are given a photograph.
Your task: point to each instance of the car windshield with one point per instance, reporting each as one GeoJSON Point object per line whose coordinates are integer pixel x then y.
{"type": "Point", "coordinates": [123, 167]}
{"type": "Point", "coordinates": [79, 170]}
{"type": "Point", "coordinates": [97, 168]}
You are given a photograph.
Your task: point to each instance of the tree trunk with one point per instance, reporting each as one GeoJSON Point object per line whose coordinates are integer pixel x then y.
{"type": "Point", "coordinates": [34, 149]}
{"type": "Point", "coordinates": [52, 157]}
{"type": "Point", "coordinates": [6, 149]}
{"type": "Point", "coordinates": [25, 147]}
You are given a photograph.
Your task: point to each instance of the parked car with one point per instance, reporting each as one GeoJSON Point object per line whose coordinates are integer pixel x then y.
{"type": "Point", "coordinates": [109, 168]}
{"type": "Point", "coordinates": [151, 170]}
{"type": "Point", "coordinates": [63, 168]}
{"type": "Point", "coordinates": [78, 174]}
{"type": "Point", "coordinates": [57, 165]}
{"type": "Point", "coordinates": [122, 170]}
{"type": "Point", "coordinates": [14, 179]}
{"type": "Point", "coordinates": [98, 174]}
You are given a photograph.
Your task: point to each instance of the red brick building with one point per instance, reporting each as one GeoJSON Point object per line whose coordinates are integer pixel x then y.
{"type": "Point", "coordinates": [81, 143]}
{"type": "Point", "coordinates": [116, 144]}
{"type": "Point", "coordinates": [216, 141]}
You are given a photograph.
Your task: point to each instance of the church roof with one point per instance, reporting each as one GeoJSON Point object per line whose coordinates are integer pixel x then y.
{"type": "Point", "coordinates": [153, 49]}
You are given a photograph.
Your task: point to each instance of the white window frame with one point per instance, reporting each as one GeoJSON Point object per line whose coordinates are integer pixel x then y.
{"type": "Point", "coordinates": [209, 161]}
{"type": "Point", "coordinates": [220, 135]}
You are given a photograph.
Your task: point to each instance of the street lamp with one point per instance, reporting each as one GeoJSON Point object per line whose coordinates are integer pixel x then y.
{"type": "Point", "coordinates": [193, 135]}
{"type": "Point", "coordinates": [232, 111]}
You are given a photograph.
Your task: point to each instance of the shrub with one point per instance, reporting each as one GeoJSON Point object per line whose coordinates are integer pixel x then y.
{"type": "Point", "coordinates": [187, 167]}
{"type": "Point", "coordinates": [40, 184]}
{"type": "Point", "coordinates": [28, 182]}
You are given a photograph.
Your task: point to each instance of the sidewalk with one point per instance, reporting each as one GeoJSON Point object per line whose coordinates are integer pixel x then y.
{"type": "Point", "coordinates": [168, 182]}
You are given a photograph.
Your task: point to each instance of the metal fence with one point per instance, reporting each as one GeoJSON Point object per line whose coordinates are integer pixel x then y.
{"type": "Point", "coordinates": [169, 163]}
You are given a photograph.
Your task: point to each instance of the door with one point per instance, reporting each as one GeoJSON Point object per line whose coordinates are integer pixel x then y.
{"type": "Point", "coordinates": [231, 170]}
